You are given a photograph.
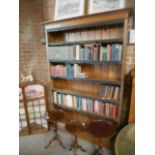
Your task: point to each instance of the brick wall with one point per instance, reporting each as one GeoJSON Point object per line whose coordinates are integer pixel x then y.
{"type": "Point", "coordinates": [49, 9]}
{"type": "Point", "coordinates": [32, 54]}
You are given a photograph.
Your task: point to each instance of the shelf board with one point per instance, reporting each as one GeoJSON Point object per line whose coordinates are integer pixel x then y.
{"type": "Point", "coordinates": [84, 61]}
{"type": "Point", "coordinates": [85, 94]}
{"type": "Point", "coordinates": [105, 41]}
{"type": "Point", "coordinates": [89, 79]}
{"type": "Point", "coordinates": [93, 115]}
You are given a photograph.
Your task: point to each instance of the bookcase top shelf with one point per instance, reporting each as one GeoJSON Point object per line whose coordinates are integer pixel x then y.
{"type": "Point", "coordinates": [106, 41]}
{"type": "Point", "coordinates": [85, 94]}
{"type": "Point", "coordinates": [84, 62]}
{"type": "Point", "coordinates": [88, 26]}
{"type": "Point", "coordinates": [109, 18]}
{"type": "Point", "coordinates": [93, 115]}
{"type": "Point", "coordinates": [89, 79]}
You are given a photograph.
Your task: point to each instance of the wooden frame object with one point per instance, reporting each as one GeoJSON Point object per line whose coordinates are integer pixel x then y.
{"type": "Point", "coordinates": [96, 6]}
{"type": "Point", "coordinates": [33, 104]}
{"type": "Point", "coordinates": [68, 8]}
{"type": "Point", "coordinates": [79, 31]}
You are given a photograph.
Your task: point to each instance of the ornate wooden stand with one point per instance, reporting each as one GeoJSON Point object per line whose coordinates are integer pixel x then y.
{"type": "Point", "coordinates": [76, 127]}
{"type": "Point", "coordinates": [101, 129]}
{"type": "Point", "coordinates": [52, 118]}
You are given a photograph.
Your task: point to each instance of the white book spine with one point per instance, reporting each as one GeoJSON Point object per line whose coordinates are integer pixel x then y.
{"type": "Point", "coordinates": [69, 100]}
{"type": "Point", "coordinates": [77, 52]}
{"type": "Point", "coordinates": [55, 97]}
{"type": "Point", "coordinates": [75, 70]}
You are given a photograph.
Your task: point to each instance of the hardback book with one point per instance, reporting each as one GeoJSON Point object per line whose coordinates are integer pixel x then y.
{"type": "Point", "coordinates": [111, 110]}
{"type": "Point", "coordinates": [55, 97]}
{"type": "Point", "coordinates": [114, 113]}
{"type": "Point", "coordinates": [113, 33]}
{"type": "Point", "coordinates": [89, 105]}
{"type": "Point", "coordinates": [103, 107]}
{"type": "Point", "coordinates": [96, 52]}
{"type": "Point", "coordinates": [90, 35]}
{"type": "Point", "coordinates": [78, 52]}
{"type": "Point", "coordinates": [78, 103]}
{"type": "Point", "coordinates": [100, 108]}
{"type": "Point", "coordinates": [101, 53]}
{"type": "Point", "coordinates": [74, 102]}
{"type": "Point", "coordinates": [66, 37]}
{"type": "Point", "coordinates": [65, 99]}
{"type": "Point", "coordinates": [59, 98]}
{"type": "Point", "coordinates": [84, 104]}
{"type": "Point", "coordinates": [69, 100]}
{"type": "Point", "coordinates": [111, 92]}
{"type": "Point", "coordinates": [120, 48]}
{"type": "Point", "coordinates": [120, 32]}
{"type": "Point", "coordinates": [84, 35]}
{"type": "Point", "coordinates": [105, 33]}
{"type": "Point", "coordinates": [96, 106]}
{"type": "Point", "coordinates": [114, 53]}
{"type": "Point", "coordinates": [116, 93]}
{"type": "Point", "coordinates": [108, 52]}
{"type": "Point", "coordinates": [107, 109]}
{"type": "Point", "coordinates": [75, 70]}
{"type": "Point", "coordinates": [108, 92]}
{"type": "Point", "coordinates": [104, 54]}
{"type": "Point", "coordinates": [78, 36]}
{"type": "Point", "coordinates": [71, 37]}
{"type": "Point", "coordinates": [98, 34]}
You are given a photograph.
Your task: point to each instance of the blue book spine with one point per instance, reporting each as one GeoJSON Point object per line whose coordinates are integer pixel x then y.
{"type": "Point", "coordinates": [72, 72]}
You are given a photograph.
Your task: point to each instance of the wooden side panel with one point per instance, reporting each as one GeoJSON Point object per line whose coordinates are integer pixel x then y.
{"type": "Point", "coordinates": [132, 104]}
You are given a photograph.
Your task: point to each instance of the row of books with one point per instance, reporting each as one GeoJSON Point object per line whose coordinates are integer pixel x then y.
{"type": "Point", "coordinates": [98, 34]}
{"type": "Point", "coordinates": [110, 52]}
{"type": "Point", "coordinates": [62, 52]}
{"type": "Point", "coordinates": [109, 92]}
{"type": "Point", "coordinates": [86, 104]}
{"type": "Point", "coordinates": [68, 70]}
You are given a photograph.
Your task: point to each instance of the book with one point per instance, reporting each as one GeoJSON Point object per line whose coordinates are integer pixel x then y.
{"type": "Point", "coordinates": [77, 52]}
{"type": "Point", "coordinates": [96, 106]}
{"type": "Point", "coordinates": [108, 52]}
{"type": "Point", "coordinates": [84, 104]}
{"type": "Point", "coordinates": [114, 53]}
{"type": "Point", "coordinates": [84, 35]}
{"type": "Point", "coordinates": [69, 100]}
{"type": "Point", "coordinates": [116, 93]}
{"type": "Point", "coordinates": [98, 34]}
{"type": "Point", "coordinates": [101, 53]}
{"type": "Point", "coordinates": [104, 57]}
{"type": "Point", "coordinates": [55, 97]}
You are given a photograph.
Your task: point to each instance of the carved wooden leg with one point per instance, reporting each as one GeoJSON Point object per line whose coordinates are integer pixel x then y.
{"type": "Point", "coordinates": [55, 137]}
{"type": "Point", "coordinates": [81, 148]}
{"type": "Point", "coordinates": [49, 143]}
{"type": "Point", "coordinates": [75, 146]}
{"type": "Point", "coordinates": [100, 150]}
{"type": "Point", "coordinates": [60, 142]}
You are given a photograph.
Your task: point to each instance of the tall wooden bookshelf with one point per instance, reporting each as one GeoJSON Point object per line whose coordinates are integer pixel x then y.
{"type": "Point", "coordinates": [78, 31]}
